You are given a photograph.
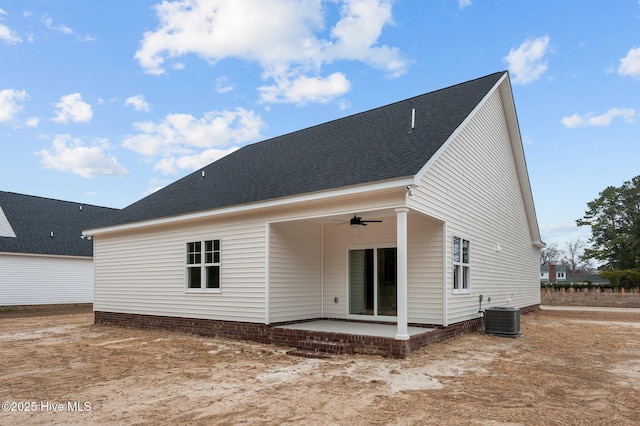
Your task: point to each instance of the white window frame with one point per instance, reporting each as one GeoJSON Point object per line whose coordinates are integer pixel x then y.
{"type": "Point", "coordinates": [203, 259]}
{"type": "Point", "coordinates": [461, 271]}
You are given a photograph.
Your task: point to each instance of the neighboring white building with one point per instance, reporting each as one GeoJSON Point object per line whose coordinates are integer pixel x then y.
{"type": "Point", "coordinates": [43, 259]}
{"type": "Point", "coordinates": [273, 232]}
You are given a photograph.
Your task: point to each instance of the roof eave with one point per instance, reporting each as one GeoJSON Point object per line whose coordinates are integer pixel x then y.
{"type": "Point", "coordinates": [356, 190]}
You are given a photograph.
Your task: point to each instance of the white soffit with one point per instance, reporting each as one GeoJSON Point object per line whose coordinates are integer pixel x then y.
{"type": "Point", "coordinates": [5, 227]}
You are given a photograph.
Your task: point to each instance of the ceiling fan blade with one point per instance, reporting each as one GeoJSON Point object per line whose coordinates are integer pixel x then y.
{"type": "Point", "coordinates": [372, 221]}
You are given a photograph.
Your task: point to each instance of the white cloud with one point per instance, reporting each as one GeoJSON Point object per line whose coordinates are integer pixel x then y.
{"type": "Point", "coordinates": [282, 36]}
{"type": "Point", "coordinates": [48, 22]}
{"type": "Point", "coordinates": [156, 184]}
{"type": "Point", "coordinates": [305, 89]}
{"type": "Point", "coordinates": [9, 36]}
{"type": "Point", "coordinates": [171, 165]}
{"type": "Point", "coordinates": [10, 103]}
{"type": "Point", "coordinates": [138, 103]}
{"type": "Point", "coordinates": [356, 34]}
{"type": "Point", "coordinates": [182, 140]}
{"type": "Point", "coordinates": [527, 63]}
{"type": "Point", "coordinates": [223, 85]}
{"type": "Point", "coordinates": [464, 3]}
{"type": "Point", "coordinates": [71, 155]}
{"type": "Point", "coordinates": [73, 108]}
{"type": "Point", "coordinates": [32, 122]}
{"type": "Point", "coordinates": [629, 115]}
{"type": "Point", "coordinates": [630, 64]}
{"type": "Point", "coordinates": [6, 34]}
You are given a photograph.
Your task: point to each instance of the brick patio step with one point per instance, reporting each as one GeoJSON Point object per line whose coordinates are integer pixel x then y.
{"type": "Point", "coordinates": [312, 354]}
{"type": "Point", "coordinates": [312, 348]}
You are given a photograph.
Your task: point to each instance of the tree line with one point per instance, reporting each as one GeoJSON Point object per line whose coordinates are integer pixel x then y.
{"type": "Point", "coordinates": [614, 218]}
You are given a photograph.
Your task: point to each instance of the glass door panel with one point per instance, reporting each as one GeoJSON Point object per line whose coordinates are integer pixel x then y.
{"type": "Point", "coordinates": [387, 282]}
{"type": "Point", "coordinates": [372, 282]}
{"type": "Point", "coordinates": [361, 282]}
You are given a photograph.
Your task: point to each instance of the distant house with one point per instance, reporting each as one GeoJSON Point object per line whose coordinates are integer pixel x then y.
{"type": "Point", "coordinates": [558, 274]}
{"type": "Point", "coordinates": [403, 214]}
{"type": "Point", "coordinates": [553, 273]}
{"type": "Point", "coordinates": [43, 257]}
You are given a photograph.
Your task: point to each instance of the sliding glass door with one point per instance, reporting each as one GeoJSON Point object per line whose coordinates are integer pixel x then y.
{"type": "Point", "coordinates": [372, 282]}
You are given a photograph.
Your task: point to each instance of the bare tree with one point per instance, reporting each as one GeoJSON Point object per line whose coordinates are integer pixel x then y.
{"type": "Point", "coordinates": [551, 254]}
{"type": "Point", "coordinates": [574, 256]}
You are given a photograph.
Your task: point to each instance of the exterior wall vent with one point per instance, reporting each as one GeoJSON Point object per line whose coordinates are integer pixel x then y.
{"type": "Point", "coordinates": [502, 321]}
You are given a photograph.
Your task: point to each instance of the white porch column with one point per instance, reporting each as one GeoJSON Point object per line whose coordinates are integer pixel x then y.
{"type": "Point", "coordinates": [402, 303]}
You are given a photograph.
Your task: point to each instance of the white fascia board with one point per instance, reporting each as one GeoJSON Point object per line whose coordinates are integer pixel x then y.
{"type": "Point", "coordinates": [508, 103]}
{"type": "Point", "coordinates": [456, 132]}
{"type": "Point", "coordinates": [358, 190]}
{"type": "Point", "coordinates": [53, 256]}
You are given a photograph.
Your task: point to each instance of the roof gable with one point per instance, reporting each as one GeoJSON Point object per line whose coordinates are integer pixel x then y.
{"type": "Point", "coordinates": [5, 227]}
{"type": "Point", "coordinates": [372, 146]}
{"type": "Point", "coordinates": [47, 226]}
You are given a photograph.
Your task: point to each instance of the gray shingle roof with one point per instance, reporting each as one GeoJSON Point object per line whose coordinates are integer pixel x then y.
{"type": "Point", "coordinates": [34, 218]}
{"type": "Point", "coordinates": [368, 147]}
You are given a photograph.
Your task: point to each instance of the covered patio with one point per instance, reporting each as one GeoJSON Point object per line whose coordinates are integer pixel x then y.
{"type": "Point", "coordinates": [354, 328]}
{"type": "Point", "coordinates": [363, 280]}
{"type": "Point", "coordinates": [324, 338]}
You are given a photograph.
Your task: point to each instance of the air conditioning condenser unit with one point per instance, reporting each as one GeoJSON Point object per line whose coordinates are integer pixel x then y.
{"type": "Point", "coordinates": [502, 321]}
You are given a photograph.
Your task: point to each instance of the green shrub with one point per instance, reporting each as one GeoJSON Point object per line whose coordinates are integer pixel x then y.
{"type": "Point", "coordinates": [625, 278]}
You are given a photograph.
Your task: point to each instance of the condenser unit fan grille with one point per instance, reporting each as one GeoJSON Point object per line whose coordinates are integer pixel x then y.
{"type": "Point", "coordinates": [502, 321]}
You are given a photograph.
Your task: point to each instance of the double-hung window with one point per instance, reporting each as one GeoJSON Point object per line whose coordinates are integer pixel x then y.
{"type": "Point", "coordinates": [461, 265]}
{"type": "Point", "coordinates": [203, 265]}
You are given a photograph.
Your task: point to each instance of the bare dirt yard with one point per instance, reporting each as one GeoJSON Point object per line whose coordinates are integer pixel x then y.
{"type": "Point", "coordinates": [567, 368]}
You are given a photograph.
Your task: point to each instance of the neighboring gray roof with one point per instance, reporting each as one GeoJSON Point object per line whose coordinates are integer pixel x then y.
{"type": "Point", "coordinates": [559, 268]}
{"type": "Point", "coordinates": [32, 219]}
{"type": "Point", "coordinates": [368, 147]}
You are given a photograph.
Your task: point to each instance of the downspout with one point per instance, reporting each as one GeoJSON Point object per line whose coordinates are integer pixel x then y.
{"type": "Point", "coordinates": [322, 271]}
{"type": "Point", "coordinates": [445, 293]}
{"type": "Point", "coordinates": [267, 281]}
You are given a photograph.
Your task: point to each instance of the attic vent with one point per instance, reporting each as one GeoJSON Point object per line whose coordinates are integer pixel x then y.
{"type": "Point", "coordinates": [502, 321]}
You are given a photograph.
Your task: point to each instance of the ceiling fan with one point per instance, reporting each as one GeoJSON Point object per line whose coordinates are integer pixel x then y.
{"type": "Point", "coordinates": [358, 221]}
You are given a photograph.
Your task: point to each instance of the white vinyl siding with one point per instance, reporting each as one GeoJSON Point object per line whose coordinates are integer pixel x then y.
{"type": "Point", "coordinates": [295, 271]}
{"type": "Point", "coordinates": [474, 187]}
{"type": "Point", "coordinates": [144, 273]}
{"type": "Point", "coordinates": [338, 239]}
{"type": "Point", "coordinates": [425, 277]}
{"type": "Point", "coordinates": [42, 280]}
{"type": "Point", "coordinates": [425, 260]}
{"type": "Point", "coordinates": [5, 227]}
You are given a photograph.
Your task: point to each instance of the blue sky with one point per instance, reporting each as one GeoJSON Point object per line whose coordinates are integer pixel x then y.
{"type": "Point", "coordinates": [104, 102]}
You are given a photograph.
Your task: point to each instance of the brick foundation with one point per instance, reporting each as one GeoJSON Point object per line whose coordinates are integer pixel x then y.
{"type": "Point", "coordinates": [271, 334]}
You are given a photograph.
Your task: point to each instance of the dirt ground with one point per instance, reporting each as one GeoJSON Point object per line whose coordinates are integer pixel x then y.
{"type": "Point", "coordinates": [568, 368]}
